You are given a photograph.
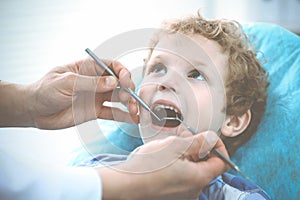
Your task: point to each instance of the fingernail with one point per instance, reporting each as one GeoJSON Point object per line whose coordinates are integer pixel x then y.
{"type": "Point", "coordinates": [110, 81]}
{"type": "Point", "coordinates": [211, 138]}
{"type": "Point", "coordinates": [123, 72]}
{"type": "Point", "coordinates": [203, 155]}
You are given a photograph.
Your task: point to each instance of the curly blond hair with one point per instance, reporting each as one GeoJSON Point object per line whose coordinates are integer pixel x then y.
{"type": "Point", "coordinates": [246, 83]}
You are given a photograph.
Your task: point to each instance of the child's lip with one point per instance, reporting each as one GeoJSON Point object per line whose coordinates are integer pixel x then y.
{"type": "Point", "coordinates": [163, 128]}
{"type": "Point", "coordinates": [166, 103]}
{"type": "Point", "coordinates": [171, 131]}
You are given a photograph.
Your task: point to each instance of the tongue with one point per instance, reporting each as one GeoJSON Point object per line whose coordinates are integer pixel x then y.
{"type": "Point", "coordinates": [162, 113]}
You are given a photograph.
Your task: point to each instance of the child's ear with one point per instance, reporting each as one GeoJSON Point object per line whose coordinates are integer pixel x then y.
{"type": "Point", "coordinates": [234, 126]}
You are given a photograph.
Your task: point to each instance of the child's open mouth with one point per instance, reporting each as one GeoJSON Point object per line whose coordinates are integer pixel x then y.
{"type": "Point", "coordinates": [163, 111]}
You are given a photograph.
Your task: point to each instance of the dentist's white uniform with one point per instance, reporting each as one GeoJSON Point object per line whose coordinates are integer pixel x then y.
{"type": "Point", "coordinates": [22, 180]}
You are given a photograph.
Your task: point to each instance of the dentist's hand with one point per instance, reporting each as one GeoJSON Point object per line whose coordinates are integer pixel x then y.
{"type": "Point", "coordinates": [164, 169]}
{"type": "Point", "coordinates": [67, 96]}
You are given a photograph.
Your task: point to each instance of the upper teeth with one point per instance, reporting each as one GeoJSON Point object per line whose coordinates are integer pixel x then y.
{"type": "Point", "coordinates": [167, 107]}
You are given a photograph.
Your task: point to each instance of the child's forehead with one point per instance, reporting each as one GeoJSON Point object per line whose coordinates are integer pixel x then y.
{"type": "Point", "coordinates": [195, 49]}
{"type": "Point", "coordinates": [191, 43]}
{"type": "Point", "coordinates": [177, 45]}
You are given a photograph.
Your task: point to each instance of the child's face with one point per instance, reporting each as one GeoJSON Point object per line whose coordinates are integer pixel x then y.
{"type": "Point", "coordinates": [187, 76]}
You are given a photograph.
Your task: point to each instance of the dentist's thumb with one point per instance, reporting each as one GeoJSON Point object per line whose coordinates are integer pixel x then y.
{"type": "Point", "coordinates": [211, 138]}
{"type": "Point", "coordinates": [201, 145]}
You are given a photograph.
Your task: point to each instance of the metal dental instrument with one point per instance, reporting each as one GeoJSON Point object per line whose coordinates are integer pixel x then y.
{"type": "Point", "coordinates": [216, 151]}
{"type": "Point", "coordinates": [130, 92]}
{"type": "Point", "coordinates": [142, 103]}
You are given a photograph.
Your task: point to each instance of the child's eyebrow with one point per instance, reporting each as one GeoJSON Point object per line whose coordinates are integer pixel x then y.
{"type": "Point", "coordinates": [157, 58]}
{"type": "Point", "coordinates": [202, 64]}
{"type": "Point", "coordinates": [198, 64]}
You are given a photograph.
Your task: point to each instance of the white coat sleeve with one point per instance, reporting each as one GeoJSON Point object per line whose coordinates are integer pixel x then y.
{"type": "Point", "coordinates": [20, 179]}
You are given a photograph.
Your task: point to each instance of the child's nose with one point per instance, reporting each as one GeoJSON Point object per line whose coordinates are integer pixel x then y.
{"type": "Point", "coordinates": [165, 86]}
{"type": "Point", "coordinates": [170, 81]}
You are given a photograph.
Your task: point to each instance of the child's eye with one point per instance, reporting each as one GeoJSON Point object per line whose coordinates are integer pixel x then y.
{"type": "Point", "coordinates": [157, 68]}
{"type": "Point", "coordinates": [195, 74]}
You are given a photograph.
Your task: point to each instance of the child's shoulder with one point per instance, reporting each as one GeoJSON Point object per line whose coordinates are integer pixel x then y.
{"type": "Point", "coordinates": [233, 187]}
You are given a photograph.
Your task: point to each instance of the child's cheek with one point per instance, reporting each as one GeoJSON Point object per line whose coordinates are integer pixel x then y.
{"type": "Point", "coordinates": [146, 92]}
{"type": "Point", "coordinates": [142, 93]}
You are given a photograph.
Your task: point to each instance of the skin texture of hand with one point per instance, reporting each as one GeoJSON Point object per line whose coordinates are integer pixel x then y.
{"type": "Point", "coordinates": [68, 96]}
{"type": "Point", "coordinates": [149, 176]}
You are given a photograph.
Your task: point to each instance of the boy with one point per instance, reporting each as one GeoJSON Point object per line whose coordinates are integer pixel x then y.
{"type": "Point", "coordinates": [225, 78]}
{"type": "Point", "coordinates": [204, 73]}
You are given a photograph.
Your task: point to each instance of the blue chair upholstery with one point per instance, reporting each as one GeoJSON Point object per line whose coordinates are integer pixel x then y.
{"type": "Point", "coordinates": [271, 158]}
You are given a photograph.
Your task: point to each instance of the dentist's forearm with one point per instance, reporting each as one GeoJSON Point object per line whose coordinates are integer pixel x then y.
{"type": "Point", "coordinates": [14, 105]}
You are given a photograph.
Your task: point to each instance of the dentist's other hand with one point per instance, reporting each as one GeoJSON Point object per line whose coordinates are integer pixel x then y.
{"type": "Point", "coordinates": [67, 96]}
{"type": "Point", "coordinates": [163, 169]}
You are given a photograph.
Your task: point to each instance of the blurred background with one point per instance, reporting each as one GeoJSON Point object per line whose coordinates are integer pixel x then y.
{"type": "Point", "coordinates": [36, 36]}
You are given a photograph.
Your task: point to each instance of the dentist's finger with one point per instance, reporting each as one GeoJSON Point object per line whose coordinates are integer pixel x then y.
{"type": "Point", "coordinates": [201, 145]}
{"type": "Point", "coordinates": [96, 84]}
